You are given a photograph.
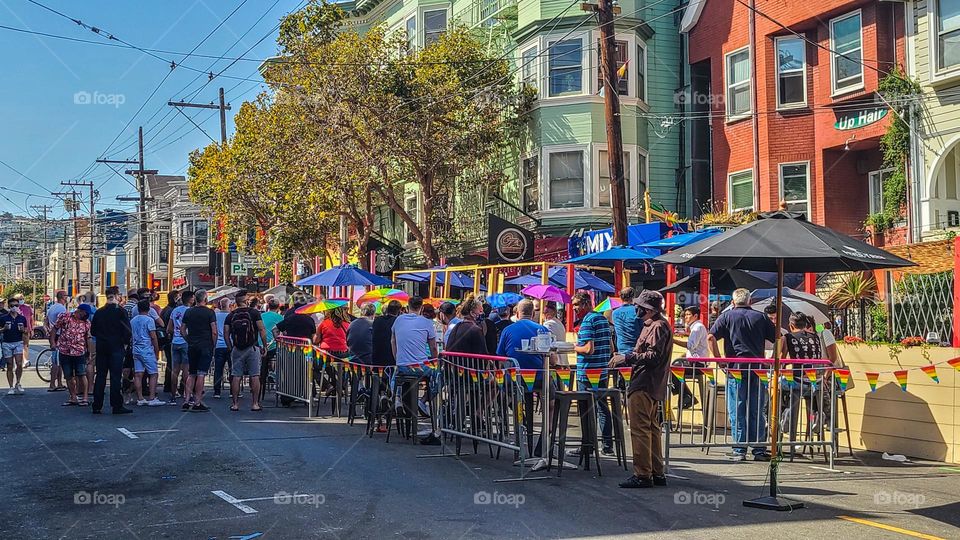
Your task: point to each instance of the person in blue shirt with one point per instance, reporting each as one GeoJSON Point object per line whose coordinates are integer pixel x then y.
{"type": "Point", "coordinates": [626, 327]}
{"type": "Point", "coordinates": [594, 349]}
{"type": "Point", "coordinates": [513, 335]}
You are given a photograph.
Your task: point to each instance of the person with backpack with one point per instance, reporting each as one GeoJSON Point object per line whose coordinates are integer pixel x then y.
{"type": "Point", "coordinates": [241, 331]}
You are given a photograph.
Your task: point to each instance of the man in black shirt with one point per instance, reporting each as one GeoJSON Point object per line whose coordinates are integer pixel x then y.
{"type": "Point", "coordinates": [173, 300]}
{"type": "Point", "coordinates": [297, 325]}
{"type": "Point", "coordinates": [199, 328]}
{"type": "Point", "coordinates": [382, 354]}
{"type": "Point", "coordinates": [111, 328]}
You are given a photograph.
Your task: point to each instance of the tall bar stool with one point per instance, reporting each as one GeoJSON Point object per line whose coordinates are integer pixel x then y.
{"type": "Point", "coordinates": [585, 401]}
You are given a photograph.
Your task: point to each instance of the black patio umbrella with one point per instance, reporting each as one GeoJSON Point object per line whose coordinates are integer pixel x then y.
{"type": "Point", "coordinates": [780, 242]}
{"type": "Point", "coordinates": [724, 281]}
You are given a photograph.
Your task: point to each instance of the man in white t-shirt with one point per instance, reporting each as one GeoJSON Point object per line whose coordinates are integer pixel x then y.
{"type": "Point", "coordinates": [53, 313]}
{"type": "Point", "coordinates": [414, 336]}
{"type": "Point", "coordinates": [696, 346]}
{"type": "Point", "coordinates": [179, 363]}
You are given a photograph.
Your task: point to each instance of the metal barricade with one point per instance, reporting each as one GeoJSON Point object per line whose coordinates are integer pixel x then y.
{"type": "Point", "coordinates": [726, 403]}
{"type": "Point", "coordinates": [481, 399]}
{"type": "Point", "coordinates": [295, 365]}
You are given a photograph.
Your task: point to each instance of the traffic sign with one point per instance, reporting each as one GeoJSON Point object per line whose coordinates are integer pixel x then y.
{"type": "Point", "coordinates": [238, 269]}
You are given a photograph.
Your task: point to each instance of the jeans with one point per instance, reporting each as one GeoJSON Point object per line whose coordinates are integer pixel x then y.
{"type": "Point", "coordinates": [220, 359]}
{"type": "Point", "coordinates": [604, 418]}
{"type": "Point", "coordinates": [749, 418]}
{"type": "Point", "coordinates": [109, 359]}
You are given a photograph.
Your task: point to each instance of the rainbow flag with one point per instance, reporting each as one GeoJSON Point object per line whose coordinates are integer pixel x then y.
{"type": "Point", "coordinates": [843, 377]}
{"type": "Point", "coordinates": [811, 375]}
{"type": "Point", "coordinates": [498, 376]}
{"type": "Point", "coordinates": [473, 375]}
{"type": "Point", "coordinates": [955, 363]}
{"type": "Point", "coordinates": [626, 373]}
{"type": "Point", "coordinates": [931, 372]}
{"type": "Point", "coordinates": [529, 377]}
{"type": "Point", "coordinates": [901, 378]}
{"type": "Point", "coordinates": [736, 374]}
{"type": "Point", "coordinates": [677, 372]}
{"type": "Point", "coordinates": [763, 375]}
{"type": "Point", "coordinates": [708, 373]}
{"type": "Point", "coordinates": [872, 380]}
{"type": "Point", "coordinates": [459, 370]}
{"type": "Point", "coordinates": [787, 375]}
{"type": "Point", "coordinates": [564, 373]}
{"type": "Point", "coordinates": [593, 375]}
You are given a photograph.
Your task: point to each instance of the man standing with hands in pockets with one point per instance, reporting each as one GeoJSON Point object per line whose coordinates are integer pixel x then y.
{"type": "Point", "coordinates": [650, 359]}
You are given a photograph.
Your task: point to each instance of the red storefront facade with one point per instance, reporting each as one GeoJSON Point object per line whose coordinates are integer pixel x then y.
{"type": "Point", "coordinates": [810, 135]}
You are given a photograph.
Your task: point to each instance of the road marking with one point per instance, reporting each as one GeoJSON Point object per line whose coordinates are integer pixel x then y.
{"type": "Point", "coordinates": [127, 432]}
{"type": "Point", "coordinates": [280, 421]}
{"type": "Point", "coordinates": [156, 431]}
{"type": "Point", "coordinates": [890, 528]}
{"type": "Point", "coordinates": [951, 469]}
{"type": "Point", "coordinates": [247, 536]}
{"type": "Point", "coordinates": [234, 501]}
{"type": "Point", "coordinates": [828, 469]}
{"type": "Point", "coordinates": [272, 497]}
{"type": "Point", "coordinates": [671, 475]}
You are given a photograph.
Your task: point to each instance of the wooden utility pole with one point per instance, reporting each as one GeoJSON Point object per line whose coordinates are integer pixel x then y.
{"type": "Point", "coordinates": [92, 223]}
{"type": "Point", "coordinates": [72, 205]}
{"type": "Point", "coordinates": [223, 107]}
{"type": "Point", "coordinates": [43, 209]}
{"type": "Point", "coordinates": [605, 10]}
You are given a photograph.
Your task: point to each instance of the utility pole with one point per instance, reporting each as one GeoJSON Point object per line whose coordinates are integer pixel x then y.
{"type": "Point", "coordinates": [605, 11]}
{"type": "Point", "coordinates": [92, 221]}
{"type": "Point", "coordinates": [43, 209]}
{"type": "Point", "coordinates": [141, 200]}
{"type": "Point", "coordinates": [72, 208]}
{"type": "Point", "coordinates": [223, 107]}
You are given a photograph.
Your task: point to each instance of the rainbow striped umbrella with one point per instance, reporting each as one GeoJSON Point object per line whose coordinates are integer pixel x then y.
{"type": "Point", "coordinates": [321, 305]}
{"type": "Point", "coordinates": [383, 294]}
{"type": "Point", "coordinates": [435, 302]}
{"type": "Point", "coordinates": [611, 302]}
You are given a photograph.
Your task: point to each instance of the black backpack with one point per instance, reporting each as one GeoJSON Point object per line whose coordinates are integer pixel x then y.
{"type": "Point", "coordinates": [243, 331]}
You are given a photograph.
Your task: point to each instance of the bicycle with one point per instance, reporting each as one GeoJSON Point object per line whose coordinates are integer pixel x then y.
{"type": "Point", "coordinates": [44, 364]}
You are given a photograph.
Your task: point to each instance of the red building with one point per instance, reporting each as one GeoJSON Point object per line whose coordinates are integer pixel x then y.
{"type": "Point", "coordinates": [792, 115]}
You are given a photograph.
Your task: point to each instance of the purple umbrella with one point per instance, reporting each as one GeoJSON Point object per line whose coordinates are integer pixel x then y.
{"type": "Point", "coordinates": [547, 292]}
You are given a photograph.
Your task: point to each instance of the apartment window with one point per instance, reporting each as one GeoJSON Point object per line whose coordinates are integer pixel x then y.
{"type": "Point", "coordinates": [876, 180]}
{"type": "Point", "coordinates": [622, 82]}
{"type": "Point", "coordinates": [603, 180]}
{"type": "Point", "coordinates": [846, 42]}
{"type": "Point", "coordinates": [194, 237]}
{"type": "Point", "coordinates": [738, 83]}
{"type": "Point", "coordinates": [411, 30]}
{"type": "Point", "coordinates": [641, 69]}
{"type": "Point", "coordinates": [529, 63]}
{"type": "Point", "coordinates": [566, 179]}
{"type": "Point", "coordinates": [412, 206]}
{"type": "Point", "coordinates": [566, 71]}
{"type": "Point", "coordinates": [794, 186]}
{"type": "Point", "coordinates": [741, 191]}
{"type": "Point", "coordinates": [163, 249]}
{"type": "Point", "coordinates": [791, 72]}
{"type": "Point", "coordinates": [948, 33]}
{"type": "Point", "coordinates": [434, 24]}
{"type": "Point", "coordinates": [634, 201]}
{"type": "Point", "coordinates": [531, 184]}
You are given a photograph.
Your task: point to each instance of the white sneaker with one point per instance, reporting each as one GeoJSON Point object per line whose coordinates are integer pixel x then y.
{"type": "Point", "coordinates": [156, 402]}
{"type": "Point", "coordinates": [19, 389]}
{"type": "Point", "coordinates": [142, 402]}
{"type": "Point", "coordinates": [12, 392]}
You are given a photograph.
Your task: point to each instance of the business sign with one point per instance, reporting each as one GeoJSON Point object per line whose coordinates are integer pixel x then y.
{"type": "Point", "coordinates": [586, 242]}
{"type": "Point", "coordinates": [386, 258]}
{"type": "Point", "coordinates": [238, 269]}
{"type": "Point", "coordinates": [859, 119]}
{"type": "Point", "coordinates": [507, 242]}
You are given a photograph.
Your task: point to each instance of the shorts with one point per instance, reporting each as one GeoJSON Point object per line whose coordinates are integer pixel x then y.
{"type": "Point", "coordinates": [199, 359]}
{"type": "Point", "coordinates": [245, 361]}
{"type": "Point", "coordinates": [73, 366]}
{"type": "Point", "coordinates": [179, 353]}
{"type": "Point", "coordinates": [145, 361]}
{"type": "Point", "coordinates": [11, 348]}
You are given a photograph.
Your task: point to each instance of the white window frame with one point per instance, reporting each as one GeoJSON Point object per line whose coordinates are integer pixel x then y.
{"type": "Point", "coordinates": [728, 86]}
{"type": "Point", "coordinates": [937, 74]}
{"type": "Point", "coordinates": [545, 176]}
{"type": "Point", "coordinates": [730, 191]}
{"type": "Point", "coordinates": [872, 191]}
{"type": "Point", "coordinates": [584, 59]}
{"type": "Point", "coordinates": [806, 165]}
{"type": "Point", "coordinates": [413, 42]}
{"type": "Point", "coordinates": [632, 151]}
{"type": "Point", "coordinates": [423, 21]}
{"type": "Point", "coordinates": [641, 47]}
{"type": "Point", "coordinates": [803, 71]}
{"type": "Point", "coordinates": [537, 77]}
{"type": "Point", "coordinates": [833, 56]}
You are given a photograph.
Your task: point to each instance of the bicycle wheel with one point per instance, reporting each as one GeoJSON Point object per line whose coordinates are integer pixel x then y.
{"type": "Point", "coordinates": [44, 364]}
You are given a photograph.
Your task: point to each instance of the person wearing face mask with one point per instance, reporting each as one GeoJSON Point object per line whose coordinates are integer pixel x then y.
{"type": "Point", "coordinates": [16, 340]}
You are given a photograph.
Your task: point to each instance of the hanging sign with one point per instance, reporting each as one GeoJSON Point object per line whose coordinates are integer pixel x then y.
{"type": "Point", "coordinates": [858, 119]}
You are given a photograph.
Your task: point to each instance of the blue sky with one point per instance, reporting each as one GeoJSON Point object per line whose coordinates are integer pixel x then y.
{"type": "Point", "coordinates": [63, 103]}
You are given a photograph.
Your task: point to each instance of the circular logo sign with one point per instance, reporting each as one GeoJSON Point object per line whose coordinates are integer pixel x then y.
{"type": "Point", "coordinates": [511, 245]}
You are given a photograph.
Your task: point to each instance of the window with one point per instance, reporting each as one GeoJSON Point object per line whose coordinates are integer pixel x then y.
{"type": "Point", "coordinates": [622, 81]}
{"type": "Point", "coordinates": [528, 67]}
{"type": "Point", "coordinates": [566, 179]}
{"type": "Point", "coordinates": [412, 207]}
{"type": "Point", "coordinates": [741, 191]}
{"type": "Point", "coordinates": [603, 180]}
{"type": "Point", "coordinates": [194, 237]}
{"type": "Point", "coordinates": [411, 33]}
{"type": "Point", "coordinates": [738, 83]}
{"type": "Point", "coordinates": [163, 249]}
{"type": "Point", "coordinates": [791, 72]}
{"type": "Point", "coordinates": [531, 184]}
{"type": "Point", "coordinates": [633, 201]}
{"type": "Point", "coordinates": [566, 73]}
{"type": "Point", "coordinates": [876, 180]}
{"type": "Point", "coordinates": [948, 33]}
{"type": "Point", "coordinates": [641, 65]}
{"type": "Point", "coordinates": [846, 42]}
{"type": "Point", "coordinates": [434, 24]}
{"type": "Point", "coordinates": [794, 186]}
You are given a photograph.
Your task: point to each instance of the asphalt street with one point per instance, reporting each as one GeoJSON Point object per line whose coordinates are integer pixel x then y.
{"type": "Point", "coordinates": [163, 473]}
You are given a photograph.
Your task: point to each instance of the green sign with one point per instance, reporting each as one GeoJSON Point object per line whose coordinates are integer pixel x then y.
{"type": "Point", "coordinates": [238, 269]}
{"type": "Point", "coordinates": [859, 119]}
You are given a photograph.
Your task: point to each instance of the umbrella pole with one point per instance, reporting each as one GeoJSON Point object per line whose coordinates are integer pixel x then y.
{"type": "Point", "coordinates": [544, 280]}
{"type": "Point", "coordinates": [772, 501]}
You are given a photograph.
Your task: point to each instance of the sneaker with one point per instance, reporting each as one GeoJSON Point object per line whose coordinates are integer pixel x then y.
{"type": "Point", "coordinates": [764, 456]}
{"type": "Point", "coordinates": [142, 402]}
{"type": "Point", "coordinates": [19, 389]}
{"type": "Point", "coordinates": [199, 407]}
{"type": "Point", "coordinates": [607, 451]}
{"type": "Point", "coordinates": [574, 452]}
{"type": "Point", "coordinates": [430, 440]}
{"type": "Point", "coordinates": [12, 392]}
{"type": "Point", "coordinates": [217, 396]}
{"type": "Point", "coordinates": [636, 482]}
{"type": "Point", "coordinates": [186, 406]}
{"type": "Point", "coordinates": [424, 408]}
{"type": "Point", "coordinates": [736, 456]}
{"type": "Point", "coordinates": [156, 402]}
{"type": "Point", "coordinates": [659, 480]}
{"type": "Point", "coordinates": [173, 401]}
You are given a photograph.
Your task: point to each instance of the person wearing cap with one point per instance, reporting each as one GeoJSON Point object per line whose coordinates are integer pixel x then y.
{"type": "Point", "coordinates": [71, 339]}
{"type": "Point", "coordinates": [16, 343]}
{"type": "Point", "coordinates": [650, 360]}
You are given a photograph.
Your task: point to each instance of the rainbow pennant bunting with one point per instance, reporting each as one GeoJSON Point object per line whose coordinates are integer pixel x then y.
{"type": "Point", "coordinates": [843, 377]}
{"type": "Point", "coordinates": [736, 374]}
{"type": "Point", "coordinates": [708, 373]}
{"type": "Point", "coordinates": [955, 363]}
{"type": "Point", "coordinates": [901, 378]}
{"type": "Point", "coordinates": [763, 375]}
{"type": "Point", "coordinates": [564, 373]}
{"type": "Point", "coordinates": [593, 376]}
{"type": "Point", "coordinates": [459, 370]}
{"type": "Point", "coordinates": [931, 372]}
{"type": "Point", "coordinates": [626, 373]}
{"type": "Point", "coordinates": [811, 375]}
{"type": "Point", "coordinates": [498, 376]}
{"type": "Point", "coordinates": [872, 378]}
{"type": "Point", "coordinates": [787, 375]}
{"type": "Point", "coordinates": [473, 375]}
{"type": "Point", "coordinates": [529, 377]}
{"type": "Point", "coordinates": [677, 372]}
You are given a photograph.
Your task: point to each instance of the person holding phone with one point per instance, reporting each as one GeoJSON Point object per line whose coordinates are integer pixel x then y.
{"type": "Point", "coordinates": [15, 340]}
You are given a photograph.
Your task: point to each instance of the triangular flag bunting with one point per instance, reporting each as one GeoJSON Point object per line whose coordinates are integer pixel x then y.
{"type": "Point", "coordinates": [763, 375]}
{"type": "Point", "coordinates": [872, 380]}
{"type": "Point", "coordinates": [677, 372]}
{"type": "Point", "coordinates": [955, 363]}
{"type": "Point", "coordinates": [708, 373]}
{"type": "Point", "coordinates": [736, 374]}
{"type": "Point", "coordinates": [811, 375]}
{"type": "Point", "coordinates": [459, 370]}
{"type": "Point", "coordinates": [473, 375]}
{"type": "Point", "coordinates": [843, 377]}
{"type": "Point", "coordinates": [593, 376]}
{"type": "Point", "coordinates": [931, 372]}
{"type": "Point", "coordinates": [529, 377]}
{"type": "Point", "coordinates": [498, 376]}
{"type": "Point", "coordinates": [626, 373]}
{"type": "Point", "coordinates": [901, 379]}
{"type": "Point", "coordinates": [787, 375]}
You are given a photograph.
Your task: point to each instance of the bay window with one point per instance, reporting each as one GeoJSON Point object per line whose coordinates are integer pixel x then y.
{"type": "Point", "coordinates": [566, 179]}
{"type": "Point", "coordinates": [948, 33]}
{"type": "Point", "coordinates": [566, 67]}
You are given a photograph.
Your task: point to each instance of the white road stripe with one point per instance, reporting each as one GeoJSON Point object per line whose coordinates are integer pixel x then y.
{"type": "Point", "coordinates": [156, 431]}
{"type": "Point", "coordinates": [235, 502]}
{"type": "Point", "coordinates": [127, 432]}
{"type": "Point", "coordinates": [828, 469]}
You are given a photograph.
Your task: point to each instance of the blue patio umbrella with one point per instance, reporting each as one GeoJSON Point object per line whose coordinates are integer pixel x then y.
{"type": "Point", "coordinates": [557, 276]}
{"type": "Point", "coordinates": [459, 280]}
{"type": "Point", "coordinates": [628, 256]}
{"type": "Point", "coordinates": [344, 276]}
{"type": "Point", "coordinates": [680, 240]}
{"type": "Point", "coordinates": [502, 300]}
